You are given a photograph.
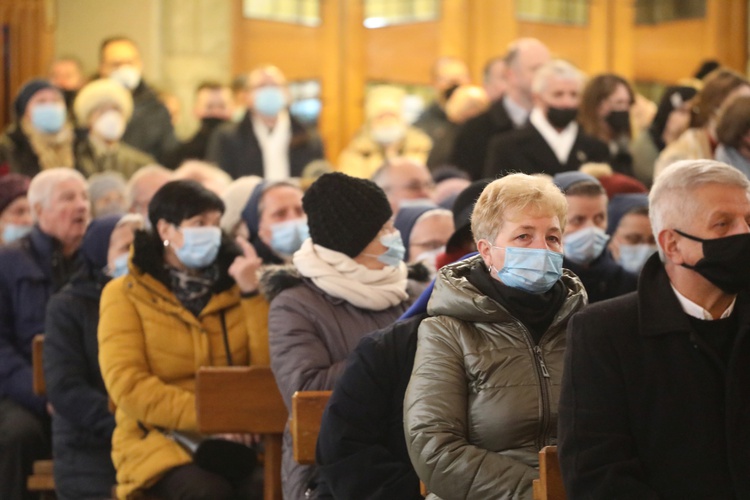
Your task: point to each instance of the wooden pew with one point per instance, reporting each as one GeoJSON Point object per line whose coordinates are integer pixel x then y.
{"type": "Point", "coordinates": [549, 486]}
{"type": "Point", "coordinates": [307, 413]}
{"type": "Point", "coordinates": [244, 400]}
{"type": "Point", "coordinates": [41, 479]}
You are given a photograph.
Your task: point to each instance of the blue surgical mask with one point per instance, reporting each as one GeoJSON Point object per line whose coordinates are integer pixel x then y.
{"type": "Point", "coordinates": [533, 270]}
{"type": "Point", "coordinates": [269, 101]}
{"type": "Point", "coordinates": [585, 245]}
{"type": "Point", "coordinates": [48, 118]}
{"type": "Point", "coordinates": [394, 255]}
{"type": "Point", "coordinates": [13, 232]}
{"type": "Point", "coordinates": [287, 237]}
{"type": "Point", "coordinates": [633, 257]}
{"type": "Point", "coordinates": [200, 245]}
{"type": "Point", "coordinates": [120, 266]}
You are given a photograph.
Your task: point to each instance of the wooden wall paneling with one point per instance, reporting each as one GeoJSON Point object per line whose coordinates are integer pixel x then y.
{"type": "Point", "coordinates": [402, 53]}
{"type": "Point", "coordinates": [492, 26]}
{"type": "Point", "coordinates": [454, 29]}
{"type": "Point", "coordinates": [353, 72]}
{"type": "Point", "coordinates": [726, 26]}
{"type": "Point", "coordinates": [620, 38]}
{"type": "Point", "coordinates": [597, 34]}
{"type": "Point", "coordinates": [332, 42]}
{"type": "Point", "coordinates": [667, 52]}
{"type": "Point", "coordinates": [564, 41]}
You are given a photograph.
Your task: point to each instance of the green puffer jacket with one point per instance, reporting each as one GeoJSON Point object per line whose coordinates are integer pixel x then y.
{"type": "Point", "coordinates": [482, 400]}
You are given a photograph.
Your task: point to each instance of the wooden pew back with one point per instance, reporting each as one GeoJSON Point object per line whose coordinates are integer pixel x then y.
{"type": "Point", "coordinates": [307, 413]}
{"type": "Point", "coordinates": [37, 365]}
{"type": "Point", "coordinates": [244, 400]}
{"type": "Point", "coordinates": [549, 486]}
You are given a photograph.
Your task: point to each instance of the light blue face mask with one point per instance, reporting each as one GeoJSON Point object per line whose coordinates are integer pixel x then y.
{"type": "Point", "coordinates": [13, 232]}
{"type": "Point", "coordinates": [633, 257]}
{"type": "Point", "coordinates": [585, 245]}
{"type": "Point", "coordinates": [287, 237]}
{"type": "Point", "coordinates": [269, 101]}
{"type": "Point", "coordinates": [200, 246]}
{"type": "Point", "coordinates": [120, 266]}
{"type": "Point", "coordinates": [533, 270]}
{"type": "Point", "coordinates": [394, 255]}
{"type": "Point", "coordinates": [48, 117]}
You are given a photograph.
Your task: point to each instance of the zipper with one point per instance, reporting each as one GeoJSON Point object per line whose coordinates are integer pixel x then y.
{"type": "Point", "coordinates": [540, 358]}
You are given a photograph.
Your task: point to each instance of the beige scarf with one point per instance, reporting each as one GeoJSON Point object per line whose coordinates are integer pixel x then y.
{"type": "Point", "coordinates": [53, 150]}
{"type": "Point", "coordinates": [340, 276]}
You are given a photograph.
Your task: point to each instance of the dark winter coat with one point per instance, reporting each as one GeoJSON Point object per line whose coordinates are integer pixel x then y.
{"type": "Point", "coordinates": [16, 153]}
{"type": "Point", "coordinates": [525, 150]}
{"type": "Point", "coordinates": [603, 278]}
{"type": "Point", "coordinates": [196, 148]}
{"type": "Point", "coordinates": [647, 410]}
{"type": "Point", "coordinates": [82, 424]}
{"type": "Point", "coordinates": [150, 128]}
{"type": "Point", "coordinates": [31, 270]}
{"type": "Point", "coordinates": [236, 150]}
{"type": "Point", "coordinates": [361, 450]}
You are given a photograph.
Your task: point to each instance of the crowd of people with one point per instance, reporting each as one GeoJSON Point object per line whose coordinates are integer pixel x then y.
{"type": "Point", "coordinates": [540, 258]}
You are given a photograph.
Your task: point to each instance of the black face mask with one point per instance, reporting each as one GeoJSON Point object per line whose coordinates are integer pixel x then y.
{"type": "Point", "coordinates": [447, 93]}
{"type": "Point", "coordinates": [619, 121]}
{"type": "Point", "coordinates": [725, 262]}
{"type": "Point", "coordinates": [211, 122]}
{"type": "Point", "coordinates": [561, 117]}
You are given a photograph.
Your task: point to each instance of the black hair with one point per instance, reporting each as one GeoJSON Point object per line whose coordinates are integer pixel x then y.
{"type": "Point", "coordinates": [180, 200]}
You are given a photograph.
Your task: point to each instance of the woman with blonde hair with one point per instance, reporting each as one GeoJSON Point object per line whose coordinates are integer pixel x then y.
{"type": "Point", "coordinates": [482, 400]}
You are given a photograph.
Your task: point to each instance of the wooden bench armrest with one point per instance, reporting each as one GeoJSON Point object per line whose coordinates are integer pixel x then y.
{"type": "Point", "coordinates": [550, 484]}
{"type": "Point", "coordinates": [307, 413]}
{"type": "Point", "coordinates": [37, 365]}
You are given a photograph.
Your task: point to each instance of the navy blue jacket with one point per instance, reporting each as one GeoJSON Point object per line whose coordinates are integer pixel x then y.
{"type": "Point", "coordinates": [604, 278]}
{"type": "Point", "coordinates": [361, 451]}
{"type": "Point", "coordinates": [31, 270]}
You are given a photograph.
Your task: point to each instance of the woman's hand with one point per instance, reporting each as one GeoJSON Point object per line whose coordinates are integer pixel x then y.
{"type": "Point", "coordinates": [244, 269]}
{"type": "Point", "coordinates": [246, 439]}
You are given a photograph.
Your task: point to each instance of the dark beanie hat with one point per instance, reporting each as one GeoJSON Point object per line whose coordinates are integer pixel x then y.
{"type": "Point", "coordinates": [620, 205]}
{"type": "Point", "coordinates": [12, 186]}
{"type": "Point", "coordinates": [27, 92]}
{"type": "Point", "coordinates": [345, 213]}
{"type": "Point", "coordinates": [250, 214]}
{"type": "Point", "coordinates": [566, 180]}
{"type": "Point", "coordinates": [95, 244]}
{"type": "Point", "coordinates": [462, 210]}
{"type": "Point", "coordinates": [406, 219]}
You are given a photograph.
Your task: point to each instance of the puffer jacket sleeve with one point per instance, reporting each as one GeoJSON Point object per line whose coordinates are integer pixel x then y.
{"type": "Point", "coordinates": [125, 368]}
{"type": "Point", "coordinates": [300, 360]}
{"type": "Point", "coordinates": [436, 425]}
{"type": "Point", "coordinates": [255, 309]}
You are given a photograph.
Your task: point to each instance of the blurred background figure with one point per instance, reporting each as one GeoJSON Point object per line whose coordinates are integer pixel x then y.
{"type": "Point", "coordinates": [15, 212]}
{"type": "Point", "coordinates": [449, 182]}
{"type": "Point", "coordinates": [207, 174]}
{"type": "Point", "coordinates": [425, 230]}
{"type": "Point", "coordinates": [404, 182]}
{"type": "Point", "coordinates": [448, 73]}
{"type": "Point", "coordinates": [384, 136]}
{"type": "Point", "coordinates": [213, 106]}
{"type": "Point", "coordinates": [733, 133]}
{"type": "Point", "coordinates": [40, 137]}
{"type": "Point", "coordinates": [103, 108]}
{"type": "Point", "coordinates": [614, 183]}
{"type": "Point", "coordinates": [235, 198]}
{"type": "Point", "coordinates": [493, 78]}
{"type": "Point", "coordinates": [631, 239]}
{"type": "Point", "coordinates": [107, 194]}
{"type": "Point", "coordinates": [142, 186]}
{"type": "Point", "coordinates": [671, 120]}
{"type": "Point", "coordinates": [66, 73]}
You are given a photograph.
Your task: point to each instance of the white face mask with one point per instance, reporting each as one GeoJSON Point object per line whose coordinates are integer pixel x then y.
{"type": "Point", "coordinates": [585, 245]}
{"type": "Point", "coordinates": [110, 125]}
{"type": "Point", "coordinates": [388, 135]}
{"type": "Point", "coordinates": [429, 258]}
{"type": "Point", "coordinates": [127, 76]}
{"type": "Point", "coordinates": [633, 257]}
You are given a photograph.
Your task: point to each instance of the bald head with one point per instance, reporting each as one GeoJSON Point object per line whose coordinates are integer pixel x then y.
{"type": "Point", "coordinates": [466, 102]}
{"type": "Point", "coordinates": [525, 56]}
{"type": "Point", "coordinates": [404, 180]}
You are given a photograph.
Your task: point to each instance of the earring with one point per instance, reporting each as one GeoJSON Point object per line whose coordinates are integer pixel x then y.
{"type": "Point", "coordinates": [166, 243]}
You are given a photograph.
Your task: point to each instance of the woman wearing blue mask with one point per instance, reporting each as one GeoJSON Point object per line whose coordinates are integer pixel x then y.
{"type": "Point", "coordinates": [82, 424]}
{"type": "Point", "coordinates": [185, 302]}
{"type": "Point", "coordinates": [483, 395]}
{"type": "Point", "coordinates": [15, 211]}
{"type": "Point", "coordinates": [347, 280]}
{"type": "Point", "coordinates": [40, 137]}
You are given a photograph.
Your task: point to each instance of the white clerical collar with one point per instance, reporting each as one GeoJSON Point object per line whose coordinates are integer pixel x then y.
{"type": "Point", "coordinates": [561, 142]}
{"type": "Point", "coordinates": [517, 113]}
{"type": "Point", "coordinates": [694, 310]}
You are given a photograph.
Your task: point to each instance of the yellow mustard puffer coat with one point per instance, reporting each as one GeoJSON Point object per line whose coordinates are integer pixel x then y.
{"type": "Point", "coordinates": [150, 348]}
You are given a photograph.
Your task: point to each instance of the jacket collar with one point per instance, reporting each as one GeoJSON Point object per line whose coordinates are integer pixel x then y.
{"type": "Point", "coordinates": [659, 310]}
{"type": "Point", "coordinates": [44, 247]}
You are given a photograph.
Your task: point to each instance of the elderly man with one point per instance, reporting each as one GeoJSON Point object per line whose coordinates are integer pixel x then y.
{"type": "Point", "coordinates": [268, 142]}
{"type": "Point", "coordinates": [150, 128]}
{"type": "Point", "coordinates": [405, 182]}
{"type": "Point", "coordinates": [32, 269]}
{"type": "Point", "coordinates": [143, 185]}
{"type": "Point", "coordinates": [448, 73]}
{"type": "Point", "coordinates": [493, 78]}
{"type": "Point", "coordinates": [525, 56]}
{"type": "Point", "coordinates": [552, 141]}
{"type": "Point", "coordinates": [655, 400]}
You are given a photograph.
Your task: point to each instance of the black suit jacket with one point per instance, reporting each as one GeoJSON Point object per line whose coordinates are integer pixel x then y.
{"type": "Point", "coordinates": [526, 151]}
{"type": "Point", "coordinates": [236, 150]}
{"type": "Point", "coordinates": [473, 139]}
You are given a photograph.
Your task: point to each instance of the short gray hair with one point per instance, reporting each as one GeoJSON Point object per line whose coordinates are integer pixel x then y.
{"type": "Point", "coordinates": [43, 184]}
{"type": "Point", "coordinates": [145, 171]}
{"type": "Point", "coordinates": [556, 68]}
{"type": "Point", "coordinates": [670, 203]}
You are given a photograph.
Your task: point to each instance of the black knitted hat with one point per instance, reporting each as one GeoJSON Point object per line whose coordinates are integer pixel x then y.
{"type": "Point", "coordinates": [345, 213]}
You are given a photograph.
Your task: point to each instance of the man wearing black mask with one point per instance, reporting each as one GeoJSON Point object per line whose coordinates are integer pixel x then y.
{"type": "Point", "coordinates": [551, 142]}
{"type": "Point", "coordinates": [213, 106]}
{"type": "Point", "coordinates": [655, 398]}
{"type": "Point", "coordinates": [448, 73]}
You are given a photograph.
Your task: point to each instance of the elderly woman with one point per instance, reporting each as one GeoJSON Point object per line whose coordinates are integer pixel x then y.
{"type": "Point", "coordinates": [15, 212]}
{"type": "Point", "coordinates": [103, 108]}
{"type": "Point", "coordinates": [40, 138]}
{"type": "Point", "coordinates": [483, 395]}
{"type": "Point", "coordinates": [184, 304]}
{"type": "Point", "coordinates": [348, 280]}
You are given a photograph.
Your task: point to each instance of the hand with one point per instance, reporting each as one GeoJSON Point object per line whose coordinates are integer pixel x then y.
{"type": "Point", "coordinates": [246, 439]}
{"type": "Point", "coordinates": [50, 409]}
{"type": "Point", "coordinates": [244, 269]}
